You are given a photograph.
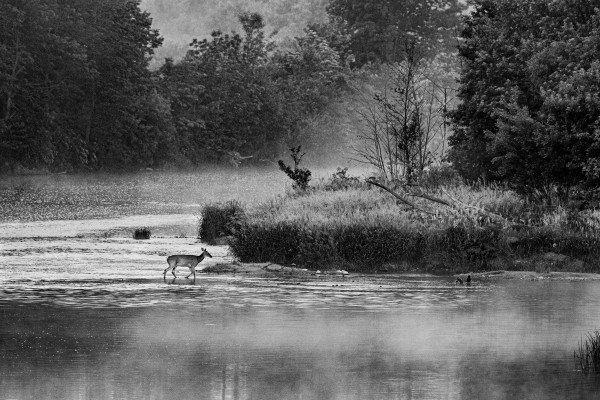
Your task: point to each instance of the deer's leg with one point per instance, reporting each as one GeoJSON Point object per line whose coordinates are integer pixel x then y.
{"type": "Point", "coordinates": [192, 268]}
{"type": "Point", "coordinates": [170, 267]}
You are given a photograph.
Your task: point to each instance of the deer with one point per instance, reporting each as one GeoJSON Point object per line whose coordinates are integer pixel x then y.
{"type": "Point", "coordinates": [181, 260]}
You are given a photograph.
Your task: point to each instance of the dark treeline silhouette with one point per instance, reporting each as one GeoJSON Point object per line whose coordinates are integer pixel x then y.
{"type": "Point", "coordinates": [529, 108]}
{"type": "Point", "coordinates": [76, 92]}
{"type": "Point", "coordinates": [74, 87]}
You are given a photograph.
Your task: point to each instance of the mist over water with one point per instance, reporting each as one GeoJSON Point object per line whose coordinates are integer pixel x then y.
{"type": "Point", "coordinates": [233, 337]}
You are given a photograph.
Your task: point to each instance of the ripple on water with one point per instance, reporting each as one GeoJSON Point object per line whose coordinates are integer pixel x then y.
{"type": "Point", "coordinates": [379, 295]}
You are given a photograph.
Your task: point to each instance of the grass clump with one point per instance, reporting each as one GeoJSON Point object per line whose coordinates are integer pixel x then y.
{"type": "Point", "coordinates": [220, 219]}
{"type": "Point", "coordinates": [344, 222]}
{"type": "Point", "coordinates": [142, 233]}
{"type": "Point", "coordinates": [587, 356]}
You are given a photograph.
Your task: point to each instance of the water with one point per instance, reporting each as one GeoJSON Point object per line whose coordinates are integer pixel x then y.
{"type": "Point", "coordinates": [237, 337]}
{"type": "Point", "coordinates": [85, 313]}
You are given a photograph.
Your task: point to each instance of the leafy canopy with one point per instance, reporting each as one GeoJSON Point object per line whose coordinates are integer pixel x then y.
{"type": "Point", "coordinates": [530, 109]}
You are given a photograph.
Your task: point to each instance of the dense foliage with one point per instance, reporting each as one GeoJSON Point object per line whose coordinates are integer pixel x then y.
{"type": "Point", "coordinates": [76, 91]}
{"type": "Point", "coordinates": [239, 92]}
{"type": "Point", "coordinates": [74, 87]}
{"type": "Point", "coordinates": [378, 30]}
{"type": "Point", "coordinates": [529, 89]}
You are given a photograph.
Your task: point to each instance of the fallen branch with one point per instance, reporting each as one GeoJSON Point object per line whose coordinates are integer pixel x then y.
{"type": "Point", "coordinates": [478, 209]}
{"type": "Point", "coordinates": [396, 195]}
{"type": "Point", "coordinates": [431, 198]}
{"type": "Point", "coordinates": [456, 206]}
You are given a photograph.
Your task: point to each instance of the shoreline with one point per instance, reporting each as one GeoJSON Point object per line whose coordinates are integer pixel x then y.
{"type": "Point", "coordinates": [91, 238]}
{"type": "Point", "coordinates": [267, 269]}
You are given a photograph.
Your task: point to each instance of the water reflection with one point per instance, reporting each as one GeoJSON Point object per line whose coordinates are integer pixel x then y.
{"type": "Point", "coordinates": [234, 338]}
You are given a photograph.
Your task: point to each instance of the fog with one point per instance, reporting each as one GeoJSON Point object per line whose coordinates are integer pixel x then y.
{"type": "Point", "coordinates": [386, 337]}
{"type": "Point", "coordinates": [180, 21]}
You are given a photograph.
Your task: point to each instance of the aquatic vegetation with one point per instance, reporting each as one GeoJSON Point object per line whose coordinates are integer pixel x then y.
{"type": "Point", "coordinates": [587, 356]}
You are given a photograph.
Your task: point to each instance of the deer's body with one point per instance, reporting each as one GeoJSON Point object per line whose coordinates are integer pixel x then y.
{"type": "Point", "coordinates": [185, 260]}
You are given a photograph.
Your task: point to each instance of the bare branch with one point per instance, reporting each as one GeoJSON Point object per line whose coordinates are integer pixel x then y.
{"type": "Point", "coordinates": [396, 195]}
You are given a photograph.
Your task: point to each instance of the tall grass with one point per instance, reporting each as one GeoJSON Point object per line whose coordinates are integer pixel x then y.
{"type": "Point", "coordinates": [587, 356]}
{"type": "Point", "coordinates": [220, 219]}
{"type": "Point", "coordinates": [362, 228]}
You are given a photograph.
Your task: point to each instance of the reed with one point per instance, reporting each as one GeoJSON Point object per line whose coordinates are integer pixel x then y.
{"type": "Point", "coordinates": [587, 356]}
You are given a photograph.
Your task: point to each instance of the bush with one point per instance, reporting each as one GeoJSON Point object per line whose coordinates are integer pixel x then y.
{"type": "Point", "coordinates": [221, 219]}
{"type": "Point", "coordinates": [300, 176]}
{"type": "Point", "coordinates": [142, 233]}
{"type": "Point", "coordinates": [443, 175]}
{"type": "Point", "coordinates": [341, 181]}
{"type": "Point", "coordinates": [322, 246]}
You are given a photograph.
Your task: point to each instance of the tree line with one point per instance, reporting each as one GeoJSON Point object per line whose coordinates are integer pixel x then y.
{"type": "Point", "coordinates": [76, 91]}
{"type": "Point", "coordinates": [529, 110]}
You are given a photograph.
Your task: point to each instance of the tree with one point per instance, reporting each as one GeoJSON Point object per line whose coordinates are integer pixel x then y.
{"type": "Point", "coordinates": [405, 125]}
{"type": "Point", "coordinates": [379, 30]}
{"type": "Point", "coordinates": [239, 93]}
{"type": "Point", "coordinates": [308, 76]}
{"type": "Point", "coordinates": [222, 95]}
{"type": "Point", "coordinates": [119, 41]}
{"type": "Point", "coordinates": [73, 74]}
{"type": "Point", "coordinates": [529, 108]}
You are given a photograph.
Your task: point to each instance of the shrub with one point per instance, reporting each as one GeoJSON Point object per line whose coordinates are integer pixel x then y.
{"type": "Point", "coordinates": [141, 233]}
{"type": "Point", "coordinates": [221, 219]}
{"type": "Point", "coordinates": [341, 181]}
{"type": "Point", "coordinates": [443, 175]}
{"type": "Point", "coordinates": [300, 176]}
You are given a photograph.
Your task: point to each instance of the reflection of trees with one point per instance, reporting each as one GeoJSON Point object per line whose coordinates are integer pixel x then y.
{"type": "Point", "coordinates": [474, 353]}
{"type": "Point", "coordinates": [528, 376]}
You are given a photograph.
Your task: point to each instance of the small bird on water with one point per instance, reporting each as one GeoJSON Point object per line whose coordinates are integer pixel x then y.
{"type": "Point", "coordinates": [468, 279]}
{"type": "Point", "coordinates": [459, 281]}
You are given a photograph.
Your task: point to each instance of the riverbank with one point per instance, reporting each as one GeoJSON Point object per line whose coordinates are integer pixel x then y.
{"type": "Point", "coordinates": [99, 250]}
{"type": "Point", "coordinates": [340, 224]}
{"type": "Point", "coordinates": [276, 270]}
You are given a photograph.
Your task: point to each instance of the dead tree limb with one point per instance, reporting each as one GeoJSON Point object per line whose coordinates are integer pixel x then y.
{"type": "Point", "coordinates": [396, 195]}
{"type": "Point", "coordinates": [478, 209]}
{"type": "Point", "coordinates": [431, 198]}
{"type": "Point", "coordinates": [456, 206]}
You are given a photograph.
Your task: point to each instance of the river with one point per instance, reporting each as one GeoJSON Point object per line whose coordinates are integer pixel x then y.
{"type": "Point", "coordinates": [237, 337]}
{"type": "Point", "coordinates": [85, 314]}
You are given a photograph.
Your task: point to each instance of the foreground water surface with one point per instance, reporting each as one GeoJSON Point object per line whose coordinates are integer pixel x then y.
{"type": "Point", "coordinates": [236, 337]}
